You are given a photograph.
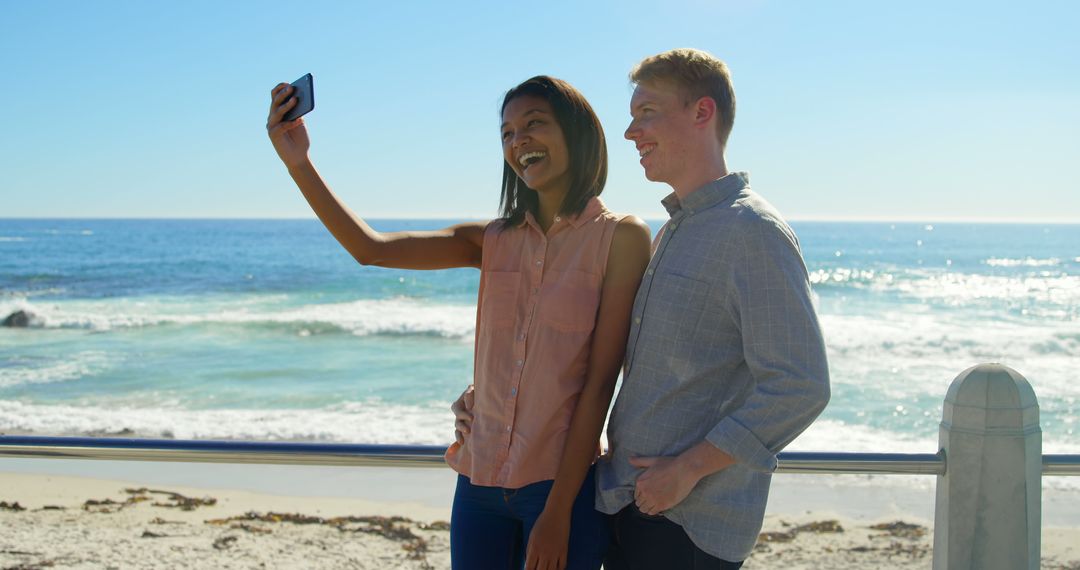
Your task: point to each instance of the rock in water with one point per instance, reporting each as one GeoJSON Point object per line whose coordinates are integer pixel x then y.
{"type": "Point", "coordinates": [17, 319]}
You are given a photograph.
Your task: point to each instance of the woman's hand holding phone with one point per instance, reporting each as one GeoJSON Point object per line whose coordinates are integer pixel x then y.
{"type": "Point", "coordinates": [290, 138]}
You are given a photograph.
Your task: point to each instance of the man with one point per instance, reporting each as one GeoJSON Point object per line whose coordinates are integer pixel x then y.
{"type": "Point", "coordinates": [725, 362]}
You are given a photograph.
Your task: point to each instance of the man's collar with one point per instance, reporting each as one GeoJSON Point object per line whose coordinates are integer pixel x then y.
{"type": "Point", "coordinates": [708, 195]}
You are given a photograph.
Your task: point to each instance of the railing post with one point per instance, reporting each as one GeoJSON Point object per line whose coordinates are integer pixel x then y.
{"type": "Point", "coordinates": [989, 501]}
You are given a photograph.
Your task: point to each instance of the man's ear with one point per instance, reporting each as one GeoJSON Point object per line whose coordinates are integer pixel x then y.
{"type": "Point", "coordinates": [704, 111]}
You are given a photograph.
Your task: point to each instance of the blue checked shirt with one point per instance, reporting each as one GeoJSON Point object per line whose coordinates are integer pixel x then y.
{"type": "Point", "coordinates": [724, 346]}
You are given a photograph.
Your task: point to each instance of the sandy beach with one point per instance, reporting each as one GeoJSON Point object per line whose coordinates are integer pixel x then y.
{"type": "Point", "coordinates": [349, 518]}
{"type": "Point", "coordinates": [51, 521]}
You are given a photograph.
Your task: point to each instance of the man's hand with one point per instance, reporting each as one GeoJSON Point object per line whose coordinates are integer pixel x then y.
{"type": "Point", "coordinates": [462, 408]}
{"type": "Point", "coordinates": [548, 542]}
{"type": "Point", "coordinates": [666, 481]}
{"type": "Point", "coordinates": [663, 484]}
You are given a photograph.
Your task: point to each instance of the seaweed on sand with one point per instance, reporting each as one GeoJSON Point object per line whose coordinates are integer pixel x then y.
{"type": "Point", "coordinates": [397, 529]}
{"type": "Point", "coordinates": [142, 494]}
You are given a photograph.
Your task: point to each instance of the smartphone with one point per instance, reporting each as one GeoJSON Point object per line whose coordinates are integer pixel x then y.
{"type": "Point", "coordinates": [304, 92]}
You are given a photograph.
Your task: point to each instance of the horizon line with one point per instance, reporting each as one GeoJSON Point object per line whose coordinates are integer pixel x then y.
{"type": "Point", "coordinates": [468, 218]}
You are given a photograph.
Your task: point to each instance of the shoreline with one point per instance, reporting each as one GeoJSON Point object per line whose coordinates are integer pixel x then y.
{"type": "Point", "coordinates": [78, 513]}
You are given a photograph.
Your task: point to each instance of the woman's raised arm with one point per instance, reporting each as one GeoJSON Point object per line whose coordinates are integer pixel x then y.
{"type": "Point", "coordinates": [456, 246]}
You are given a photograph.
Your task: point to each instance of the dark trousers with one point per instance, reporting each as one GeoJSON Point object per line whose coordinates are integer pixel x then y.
{"type": "Point", "coordinates": [646, 542]}
{"type": "Point", "coordinates": [490, 526]}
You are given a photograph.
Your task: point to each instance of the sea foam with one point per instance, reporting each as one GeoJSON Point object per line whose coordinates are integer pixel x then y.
{"type": "Point", "coordinates": [71, 367]}
{"type": "Point", "coordinates": [400, 316]}
{"type": "Point", "coordinates": [353, 422]}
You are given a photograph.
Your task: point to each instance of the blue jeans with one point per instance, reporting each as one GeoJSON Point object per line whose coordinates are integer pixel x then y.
{"type": "Point", "coordinates": [490, 526]}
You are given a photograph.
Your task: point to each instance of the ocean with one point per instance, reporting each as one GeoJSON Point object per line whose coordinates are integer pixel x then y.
{"type": "Point", "coordinates": [268, 330]}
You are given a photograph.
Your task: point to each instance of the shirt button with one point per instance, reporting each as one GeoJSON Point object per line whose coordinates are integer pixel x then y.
{"type": "Point", "coordinates": [558, 219]}
{"type": "Point", "coordinates": [519, 362]}
{"type": "Point", "coordinates": [536, 290]}
{"type": "Point", "coordinates": [521, 336]}
{"type": "Point", "coordinates": [673, 226]}
{"type": "Point", "coordinates": [650, 271]}
{"type": "Point", "coordinates": [508, 428]}
{"type": "Point", "coordinates": [539, 261]}
{"type": "Point", "coordinates": [513, 391]}
{"type": "Point", "coordinates": [637, 321]}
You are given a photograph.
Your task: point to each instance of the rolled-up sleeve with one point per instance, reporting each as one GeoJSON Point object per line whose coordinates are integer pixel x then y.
{"type": "Point", "coordinates": [768, 295]}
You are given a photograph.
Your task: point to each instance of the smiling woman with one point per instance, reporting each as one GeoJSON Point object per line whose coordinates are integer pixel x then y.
{"type": "Point", "coordinates": [538, 114]}
{"type": "Point", "coordinates": [534, 148]}
{"type": "Point", "coordinates": [558, 274]}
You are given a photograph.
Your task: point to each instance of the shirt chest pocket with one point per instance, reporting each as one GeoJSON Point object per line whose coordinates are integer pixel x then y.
{"type": "Point", "coordinates": [570, 299]}
{"type": "Point", "coordinates": [679, 302]}
{"type": "Point", "coordinates": [498, 306]}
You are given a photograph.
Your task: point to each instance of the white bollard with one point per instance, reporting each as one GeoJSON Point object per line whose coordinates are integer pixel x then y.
{"type": "Point", "coordinates": [989, 501]}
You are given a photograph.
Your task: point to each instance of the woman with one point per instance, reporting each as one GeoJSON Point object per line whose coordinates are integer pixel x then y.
{"type": "Point", "coordinates": [558, 277]}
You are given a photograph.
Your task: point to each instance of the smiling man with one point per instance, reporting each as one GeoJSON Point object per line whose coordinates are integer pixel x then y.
{"type": "Point", "coordinates": [725, 362]}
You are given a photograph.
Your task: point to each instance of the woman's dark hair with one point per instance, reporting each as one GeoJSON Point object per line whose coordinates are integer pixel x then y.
{"type": "Point", "coordinates": [585, 145]}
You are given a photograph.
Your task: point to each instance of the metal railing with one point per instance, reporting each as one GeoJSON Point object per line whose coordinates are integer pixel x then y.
{"type": "Point", "coordinates": [342, 454]}
{"type": "Point", "coordinates": [210, 451]}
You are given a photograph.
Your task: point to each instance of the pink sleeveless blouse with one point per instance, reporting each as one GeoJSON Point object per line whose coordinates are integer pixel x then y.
{"type": "Point", "coordinates": [538, 301]}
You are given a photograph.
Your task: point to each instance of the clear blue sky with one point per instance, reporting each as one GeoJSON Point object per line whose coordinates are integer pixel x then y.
{"type": "Point", "coordinates": [864, 110]}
